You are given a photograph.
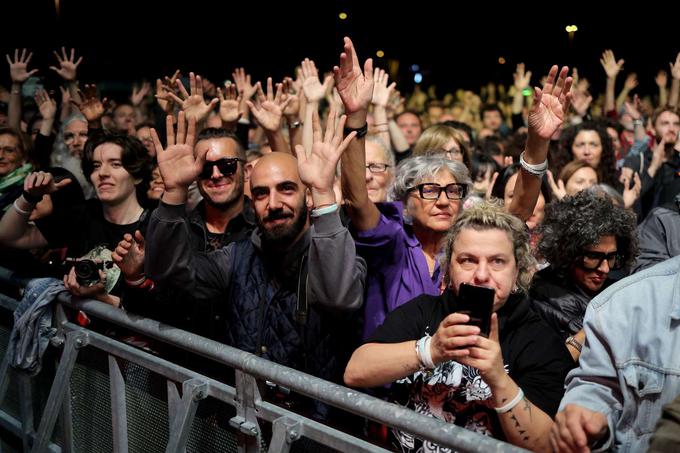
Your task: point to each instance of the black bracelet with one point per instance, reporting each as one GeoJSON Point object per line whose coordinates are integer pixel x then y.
{"type": "Point", "coordinates": [361, 132]}
{"type": "Point", "coordinates": [33, 199]}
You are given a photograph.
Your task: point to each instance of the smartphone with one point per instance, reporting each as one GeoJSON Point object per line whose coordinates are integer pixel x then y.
{"type": "Point", "coordinates": [477, 303]}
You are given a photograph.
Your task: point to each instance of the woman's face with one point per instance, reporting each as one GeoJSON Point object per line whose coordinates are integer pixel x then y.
{"type": "Point", "coordinates": [484, 258]}
{"type": "Point", "coordinates": [592, 278]}
{"type": "Point", "coordinates": [539, 210]}
{"type": "Point", "coordinates": [587, 147]}
{"type": "Point", "coordinates": [581, 179]}
{"type": "Point", "coordinates": [156, 187]}
{"type": "Point", "coordinates": [454, 151]}
{"type": "Point", "coordinates": [377, 182]}
{"type": "Point", "coordinates": [434, 215]}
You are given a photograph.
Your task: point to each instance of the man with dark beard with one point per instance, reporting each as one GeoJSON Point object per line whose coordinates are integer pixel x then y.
{"type": "Point", "coordinates": [225, 214]}
{"type": "Point", "coordinates": [286, 287]}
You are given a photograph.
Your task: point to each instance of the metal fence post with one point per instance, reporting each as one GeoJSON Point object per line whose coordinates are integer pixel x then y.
{"type": "Point", "coordinates": [26, 408]}
{"type": "Point", "coordinates": [118, 407]}
{"type": "Point", "coordinates": [285, 431]}
{"type": "Point", "coordinates": [74, 341]}
{"type": "Point", "coordinates": [247, 395]}
{"type": "Point", "coordinates": [193, 391]}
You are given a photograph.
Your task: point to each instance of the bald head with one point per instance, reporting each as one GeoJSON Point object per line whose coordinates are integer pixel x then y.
{"type": "Point", "coordinates": [278, 166]}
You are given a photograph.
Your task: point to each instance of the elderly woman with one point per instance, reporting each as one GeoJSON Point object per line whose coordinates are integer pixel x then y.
{"type": "Point", "coordinates": [401, 241]}
{"type": "Point", "coordinates": [584, 237]}
{"type": "Point", "coordinates": [508, 385]}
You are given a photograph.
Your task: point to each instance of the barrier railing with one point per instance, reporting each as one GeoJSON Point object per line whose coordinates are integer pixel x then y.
{"type": "Point", "coordinates": [252, 413]}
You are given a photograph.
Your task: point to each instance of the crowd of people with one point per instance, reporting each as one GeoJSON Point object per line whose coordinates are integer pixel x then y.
{"type": "Point", "coordinates": [327, 223]}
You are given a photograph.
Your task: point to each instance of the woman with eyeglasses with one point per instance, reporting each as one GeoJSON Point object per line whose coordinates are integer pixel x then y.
{"type": "Point", "coordinates": [443, 140]}
{"type": "Point", "coordinates": [584, 238]}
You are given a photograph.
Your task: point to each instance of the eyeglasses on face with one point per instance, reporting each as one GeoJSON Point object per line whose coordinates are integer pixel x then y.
{"type": "Point", "coordinates": [377, 168]}
{"type": "Point", "coordinates": [432, 191]}
{"type": "Point", "coordinates": [593, 260]}
{"type": "Point", "coordinates": [227, 167]}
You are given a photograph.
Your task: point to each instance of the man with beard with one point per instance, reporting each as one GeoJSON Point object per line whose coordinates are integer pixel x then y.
{"type": "Point", "coordinates": [658, 164]}
{"type": "Point", "coordinates": [287, 286]}
{"type": "Point", "coordinates": [225, 214]}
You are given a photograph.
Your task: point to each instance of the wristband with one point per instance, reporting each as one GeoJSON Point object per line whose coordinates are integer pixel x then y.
{"type": "Point", "coordinates": [508, 407]}
{"type": "Point", "coordinates": [361, 132]}
{"type": "Point", "coordinates": [19, 210]}
{"type": "Point", "coordinates": [536, 170]}
{"type": "Point", "coordinates": [325, 210]}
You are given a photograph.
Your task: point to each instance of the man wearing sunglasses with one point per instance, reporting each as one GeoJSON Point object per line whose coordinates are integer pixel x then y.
{"type": "Point", "coordinates": [586, 239]}
{"type": "Point", "coordinates": [225, 214]}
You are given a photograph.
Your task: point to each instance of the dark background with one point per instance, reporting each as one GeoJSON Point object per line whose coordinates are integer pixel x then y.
{"type": "Point", "coordinates": [456, 45]}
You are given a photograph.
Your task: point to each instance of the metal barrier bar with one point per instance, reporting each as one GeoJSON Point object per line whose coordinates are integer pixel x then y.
{"type": "Point", "coordinates": [118, 407]}
{"type": "Point", "coordinates": [421, 426]}
{"type": "Point", "coordinates": [25, 409]}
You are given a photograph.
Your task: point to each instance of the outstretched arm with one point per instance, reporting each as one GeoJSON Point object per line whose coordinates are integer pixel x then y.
{"type": "Point", "coordinates": [547, 114]}
{"type": "Point", "coordinates": [356, 91]}
{"type": "Point", "coordinates": [18, 71]}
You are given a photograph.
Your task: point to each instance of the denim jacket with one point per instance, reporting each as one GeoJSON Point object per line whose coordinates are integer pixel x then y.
{"type": "Point", "coordinates": [630, 365]}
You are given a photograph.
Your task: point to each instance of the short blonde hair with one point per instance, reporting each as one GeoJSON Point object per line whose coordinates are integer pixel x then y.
{"type": "Point", "coordinates": [434, 138]}
{"type": "Point", "coordinates": [490, 215]}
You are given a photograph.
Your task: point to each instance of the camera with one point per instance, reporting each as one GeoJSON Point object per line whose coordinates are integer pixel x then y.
{"type": "Point", "coordinates": [87, 271]}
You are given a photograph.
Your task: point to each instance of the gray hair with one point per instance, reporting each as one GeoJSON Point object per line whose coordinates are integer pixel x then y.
{"type": "Point", "coordinates": [389, 155]}
{"type": "Point", "coordinates": [72, 118]}
{"type": "Point", "coordinates": [415, 170]}
{"type": "Point", "coordinates": [609, 192]}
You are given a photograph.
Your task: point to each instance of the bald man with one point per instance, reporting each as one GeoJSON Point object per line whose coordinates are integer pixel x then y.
{"type": "Point", "coordinates": [288, 286]}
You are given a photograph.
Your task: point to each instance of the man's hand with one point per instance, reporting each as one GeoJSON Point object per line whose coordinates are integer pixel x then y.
{"type": "Point", "coordinates": [610, 65]}
{"type": "Point", "coordinates": [229, 102]}
{"type": "Point", "coordinates": [193, 104]}
{"type": "Point", "coordinates": [312, 87]}
{"type": "Point", "coordinates": [90, 105]}
{"type": "Point", "coordinates": [129, 256]}
{"type": "Point", "coordinates": [242, 80]}
{"type": "Point", "coordinates": [177, 163]}
{"type": "Point", "coordinates": [18, 69]}
{"type": "Point", "coordinates": [381, 91]}
{"type": "Point", "coordinates": [268, 109]}
{"type": "Point", "coordinates": [521, 78]}
{"type": "Point", "coordinates": [41, 183]}
{"type": "Point", "coordinates": [354, 86]}
{"type": "Point", "coordinates": [46, 105]}
{"type": "Point", "coordinates": [576, 428]}
{"type": "Point", "coordinates": [92, 292]}
{"type": "Point", "coordinates": [68, 67]}
{"type": "Point", "coordinates": [139, 93]}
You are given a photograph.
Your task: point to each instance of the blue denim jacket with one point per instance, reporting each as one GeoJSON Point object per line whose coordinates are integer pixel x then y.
{"type": "Point", "coordinates": [630, 365]}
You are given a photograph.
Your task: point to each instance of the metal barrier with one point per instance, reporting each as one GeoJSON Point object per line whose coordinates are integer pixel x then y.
{"type": "Point", "coordinates": [243, 431]}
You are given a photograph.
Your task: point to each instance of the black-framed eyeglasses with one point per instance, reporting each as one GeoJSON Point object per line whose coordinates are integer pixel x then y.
{"type": "Point", "coordinates": [377, 168]}
{"type": "Point", "coordinates": [432, 191]}
{"type": "Point", "coordinates": [593, 260]}
{"type": "Point", "coordinates": [227, 166]}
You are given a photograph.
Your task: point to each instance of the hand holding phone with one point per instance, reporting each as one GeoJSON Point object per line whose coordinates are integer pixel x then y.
{"type": "Point", "coordinates": [477, 303]}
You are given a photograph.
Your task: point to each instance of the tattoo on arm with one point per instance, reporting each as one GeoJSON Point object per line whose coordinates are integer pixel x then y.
{"type": "Point", "coordinates": [527, 406]}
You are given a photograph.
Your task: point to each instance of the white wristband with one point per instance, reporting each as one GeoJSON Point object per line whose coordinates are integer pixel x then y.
{"type": "Point", "coordinates": [536, 170]}
{"type": "Point", "coordinates": [19, 210]}
{"type": "Point", "coordinates": [325, 210]}
{"type": "Point", "coordinates": [425, 353]}
{"type": "Point", "coordinates": [508, 407]}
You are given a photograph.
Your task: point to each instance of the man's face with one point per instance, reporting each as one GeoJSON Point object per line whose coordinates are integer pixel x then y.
{"type": "Point", "coordinates": [124, 118]}
{"type": "Point", "coordinates": [75, 136]}
{"type": "Point", "coordinates": [144, 135]}
{"type": "Point", "coordinates": [410, 127]}
{"type": "Point", "coordinates": [220, 190]}
{"type": "Point", "coordinates": [279, 199]}
{"type": "Point", "coordinates": [492, 120]}
{"type": "Point", "coordinates": [112, 182]}
{"type": "Point", "coordinates": [11, 157]}
{"type": "Point", "coordinates": [667, 127]}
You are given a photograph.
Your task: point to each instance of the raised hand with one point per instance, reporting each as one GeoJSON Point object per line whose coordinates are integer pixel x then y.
{"type": "Point", "coordinates": [633, 109]}
{"type": "Point", "coordinates": [68, 66]}
{"type": "Point", "coordinates": [318, 170]}
{"type": "Point", "coordinates": [268, 109]}
{"type": "Point", "coordinates": [177, 163]}
{"type": "Point", "coordinates": [41, 183]}
{"type": "Point", "coordinates": [192, 103]}
{"type": "Point", "coordinates": [165, 102]}
{"type": "Point", "coordinates": [631, 193]}
{"type": "Point", "coordinates": [550, 104]}
{"type": "Point", "coordinates": [242, 80]}
{"type": "Point", "coordinates": [610, 65]}
{"type": "Point", "coordinates": [354, 86]}
{"type": "Point", "coordinates": [581, 101]}
{"type": "Point", "coordinates": [229, 102]}
{"type": "Point", "coordinates": [90, 105]}
{"type": "Point", "coordinates": [675, 67]}
{"type": "Point", "coordinates": [139, 93]}
{"type": "Point", "coordinates": [312, 87]}
{"type": "Point", "coordinates": [558, 189]}
{"type": "Point", "coordinates": [46, 105]}
{"type": "Point", "coordinates": [631, 81]}
{"type": "Point", "coordinates": [292, 110]}
{"type": "Point", "coordinates": [18, 69]}
{"type": "Point", "coordinates": [521, 78]}
{"type": "Point", "coordinates": [661, 79]}
{"type": "Point", "coordinates": [381, 91]}
{"type": "Point", "coordinates": [129, 256]}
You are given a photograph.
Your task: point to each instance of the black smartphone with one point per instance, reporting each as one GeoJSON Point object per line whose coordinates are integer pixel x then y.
{"type": "Point", "coordinates": [477, 303]}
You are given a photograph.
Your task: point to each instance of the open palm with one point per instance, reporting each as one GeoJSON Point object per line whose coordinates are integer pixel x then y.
{"type": "Point", "coordinates": [177, 163]}
{"type": "Point", "coordinates": [355, 88]}
{"type": "Point", "coordinates": [550, 104]}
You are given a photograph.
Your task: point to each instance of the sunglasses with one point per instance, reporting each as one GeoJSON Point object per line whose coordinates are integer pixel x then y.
{"type": "Point", "coordinates": [227, 167]}
{"type": "Point", "coordinates": [593, 260]}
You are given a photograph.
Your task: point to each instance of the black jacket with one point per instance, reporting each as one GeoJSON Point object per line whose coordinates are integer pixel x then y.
{"type": "Point", "coordinates": [561, 303]}
{"type": "Point", "coordinates": [659, 237]}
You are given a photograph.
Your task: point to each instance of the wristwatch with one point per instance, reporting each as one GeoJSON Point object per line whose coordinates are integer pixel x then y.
{"type": "Point", "coordinates": [361, 131]}
{"type": "Point", "coordinates": [574, 343]}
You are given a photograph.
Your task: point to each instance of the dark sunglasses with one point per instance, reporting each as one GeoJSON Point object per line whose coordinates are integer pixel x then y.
{"type": "Point", "coordinates": [227, 167]}
{"type": "Point", "coordinates": [593, 260]}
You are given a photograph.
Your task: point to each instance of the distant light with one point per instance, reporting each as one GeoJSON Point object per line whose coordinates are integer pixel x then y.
{"type": "Point", "coordinates": [380, 54]}
{"type": "Point", "coordinates": [415, 68]}
{"type": "Point", "coordinates": [527, 92]}
{"type": "Point", "coordinates": [418, 77]}
{"type": "Point", "coordinates": [571, 28]}
{"type": "Point", "coordinates": [342, 16]}
{"type": "Point", "coordinates": [501, 60]}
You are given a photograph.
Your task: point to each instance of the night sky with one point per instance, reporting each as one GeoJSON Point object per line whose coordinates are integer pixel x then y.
{"type": "Point", "coordinates": [454, 46]}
